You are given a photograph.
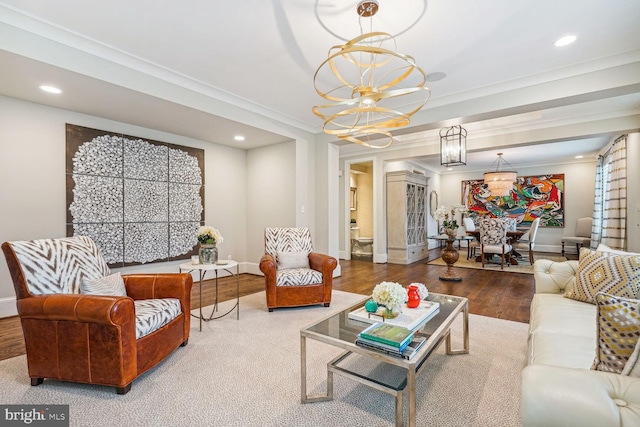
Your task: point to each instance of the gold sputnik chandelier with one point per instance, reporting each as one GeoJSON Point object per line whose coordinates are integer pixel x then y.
{"type": "Point", "coordinates": [372, 89]}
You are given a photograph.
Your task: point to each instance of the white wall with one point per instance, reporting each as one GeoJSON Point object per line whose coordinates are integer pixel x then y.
{"type": "Point", "coordinates": [270, 195]}
{"type": "Point", "coordinates": [326, 200]}
{"type": "Point", "coordinates": [579, 194]}
{"type": "Point", "coordinates": [33, 186]}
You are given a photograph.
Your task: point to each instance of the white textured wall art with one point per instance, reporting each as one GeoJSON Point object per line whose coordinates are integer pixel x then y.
{"type": "Point", "coordinates": [141, 201]}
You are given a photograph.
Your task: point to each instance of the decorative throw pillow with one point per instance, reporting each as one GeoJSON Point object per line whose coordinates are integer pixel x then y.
{"type": "Point", "coordinates": [111, 285]}
{"type": "Point", "coordinates": [618, 332]}
{"type": "Point", "coordinates": [632, 368]}
{"type": "Point", "coordinates": [293, 260]}
{"type": "Point", "coordinates": [606, 272]}
{"type": "Point", "coordinates": [604, 248]}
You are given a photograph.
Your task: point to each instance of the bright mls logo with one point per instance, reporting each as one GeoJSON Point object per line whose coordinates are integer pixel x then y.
{"type": "Point", "coordinates": [35, 415]}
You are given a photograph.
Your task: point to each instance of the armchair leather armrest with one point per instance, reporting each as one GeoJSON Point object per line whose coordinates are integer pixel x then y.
{"type": "Point", "coordinates": [107, 310]}
{"type": "Point", "coordinates": [323, 263]}
{"type": "Point", "coordinates": [164, 285]}
{"type": "Point", "coordinates": [268, 266]}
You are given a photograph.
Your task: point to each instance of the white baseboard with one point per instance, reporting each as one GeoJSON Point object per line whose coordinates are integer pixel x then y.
{"type": "Point", "coordinates": [8, 307]}
{"type": "Point", "coordinates": [252, 268]}
{"type": "Point", "coordinates": [380, 258]}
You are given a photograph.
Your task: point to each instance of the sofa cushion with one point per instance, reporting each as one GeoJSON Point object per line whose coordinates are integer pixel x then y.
{"type": "Point", "coordinates": [606, 272]}
{"type": "Point", "coordinates": [293, 259]}
{"type": "Point", "coordinates": [561, 332]}
{"type": "Point", "coordinates": [618, 332]}
{"type": "Point", "coordinates": [553, 313]}
{"type": "Point", "coordinates": [152, 314]}
{"type": "Point", "coordinates": [558, 349]}
{"type": "Point", "coordinates": [110, 285]}
{"type": "Point", "coordinates": [298, 277]}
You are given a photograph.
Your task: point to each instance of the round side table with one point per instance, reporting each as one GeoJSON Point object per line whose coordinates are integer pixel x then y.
{"type": "Point", "coordinates": [202, 270]}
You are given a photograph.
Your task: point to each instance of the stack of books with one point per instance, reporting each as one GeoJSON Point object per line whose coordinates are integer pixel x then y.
{"type": "Point", "coordinates": [390, 339]}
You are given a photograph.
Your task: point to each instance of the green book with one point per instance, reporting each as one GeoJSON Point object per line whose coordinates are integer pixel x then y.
{"type": "Point", "coordinates": [393, 335]}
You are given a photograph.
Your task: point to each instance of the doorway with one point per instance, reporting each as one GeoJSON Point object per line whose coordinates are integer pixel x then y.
{"type": "Point", "coordinates": [361, 211]}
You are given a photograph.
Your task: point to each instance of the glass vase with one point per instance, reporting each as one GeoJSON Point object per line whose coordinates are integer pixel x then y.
{"type": "Point", "coordinates": [208, 253]}
{"type": "Point", "coordinates": [390, 312]}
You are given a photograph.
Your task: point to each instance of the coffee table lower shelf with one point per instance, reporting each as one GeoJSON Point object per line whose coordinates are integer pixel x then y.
{"type": "Point", "coordinates": [395, 389]}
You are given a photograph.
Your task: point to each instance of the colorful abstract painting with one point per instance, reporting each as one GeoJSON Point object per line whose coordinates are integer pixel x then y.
{"type": "Point", "coordinates": [540, 196]}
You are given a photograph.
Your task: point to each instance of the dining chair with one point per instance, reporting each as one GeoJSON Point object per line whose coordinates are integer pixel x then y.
{"type": "Point", "coordinates": [582, 235]}
{"type": "Point", "coordinates": [472, 245]}
{"type": "Point", "coordinates": [512, 223]}
{"type": "Point", "coordinates": [527, 243]}
{"type": "Point", "coordinates": [493, 239]}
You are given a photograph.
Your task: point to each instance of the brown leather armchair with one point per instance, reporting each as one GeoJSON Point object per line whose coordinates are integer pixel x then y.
{"type": "Point", "coordinates": [294, 274]}
{"type": "Point", "coordinates": [90, 338]}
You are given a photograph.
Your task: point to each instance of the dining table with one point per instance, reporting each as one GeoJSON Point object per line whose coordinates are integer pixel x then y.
{"type": "Point", "coordinates": [512, 237]}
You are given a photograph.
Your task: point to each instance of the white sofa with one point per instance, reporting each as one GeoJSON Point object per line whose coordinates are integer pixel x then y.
{"type": "Point", "coordinates": [558, 386]}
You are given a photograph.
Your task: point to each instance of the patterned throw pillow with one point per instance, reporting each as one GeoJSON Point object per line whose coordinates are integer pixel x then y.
{"type": "Point", "coordinates": [618, 332]}
{"type": "Point", "coordinates": [293, 260]}
{"type": "Point", "coordinates": [606, 272]}
{"type": "Point", "coordinates": [632, 368]}
{"type": "Point", "coordinates": [112, 285]}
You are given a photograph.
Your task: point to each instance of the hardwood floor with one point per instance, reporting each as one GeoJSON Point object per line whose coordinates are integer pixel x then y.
{"type": "Point", "coordinates": [500, 295]}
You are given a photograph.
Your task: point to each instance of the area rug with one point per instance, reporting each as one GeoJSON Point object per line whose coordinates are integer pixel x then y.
{"type": "Point", "coordinates": [523, 264]}
{"type": "Point", "coordinates": [247, 373]}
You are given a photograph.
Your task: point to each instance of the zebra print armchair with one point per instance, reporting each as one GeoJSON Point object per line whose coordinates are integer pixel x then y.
{"type": "Point", "coordinates": [109, 336]}
{"type": "Point", "coordinates": [294, 274]}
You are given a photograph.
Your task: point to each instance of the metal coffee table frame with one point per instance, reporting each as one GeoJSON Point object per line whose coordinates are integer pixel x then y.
{"type": "Point", "coordinates": [340, 331]}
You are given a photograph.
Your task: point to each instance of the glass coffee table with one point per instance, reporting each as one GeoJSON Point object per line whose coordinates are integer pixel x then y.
{"type": "Point", "coordinates": [375, 369]}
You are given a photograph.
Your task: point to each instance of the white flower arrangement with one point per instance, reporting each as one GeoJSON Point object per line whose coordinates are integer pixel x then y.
{"type": "Point", "coordinates": [422, 290]}
{"type": "Point", "coordinates": [209, 235]}
{"type": "Point", "coordinates": [447, 215]}
{"type": "Point", "coordinates": [390, 295]}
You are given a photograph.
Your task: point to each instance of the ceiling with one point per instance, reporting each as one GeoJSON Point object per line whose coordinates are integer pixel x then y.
{"type": "Point", "coordinates": [211, 70]}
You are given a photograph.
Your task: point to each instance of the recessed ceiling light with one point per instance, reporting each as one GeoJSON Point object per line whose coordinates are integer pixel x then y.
{"type": "Point", "coordinates": [566, 40]}
{"type": "Point", "coordinates": [436, 76]}
{"type": "Point", "coordinates": [579, 157]}
{"type": "Point", "coordinates": [239, 138]}
{"type": "Point", "coordinates": [449, 169]}
{"type": "Point", "coordinates": [50, 89]}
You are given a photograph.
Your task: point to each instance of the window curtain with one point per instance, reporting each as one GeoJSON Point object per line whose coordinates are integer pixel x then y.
{"type": "Point", "coordinates": [596, 228]}
{"type": "Point", "coordinates": [610, 204]}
